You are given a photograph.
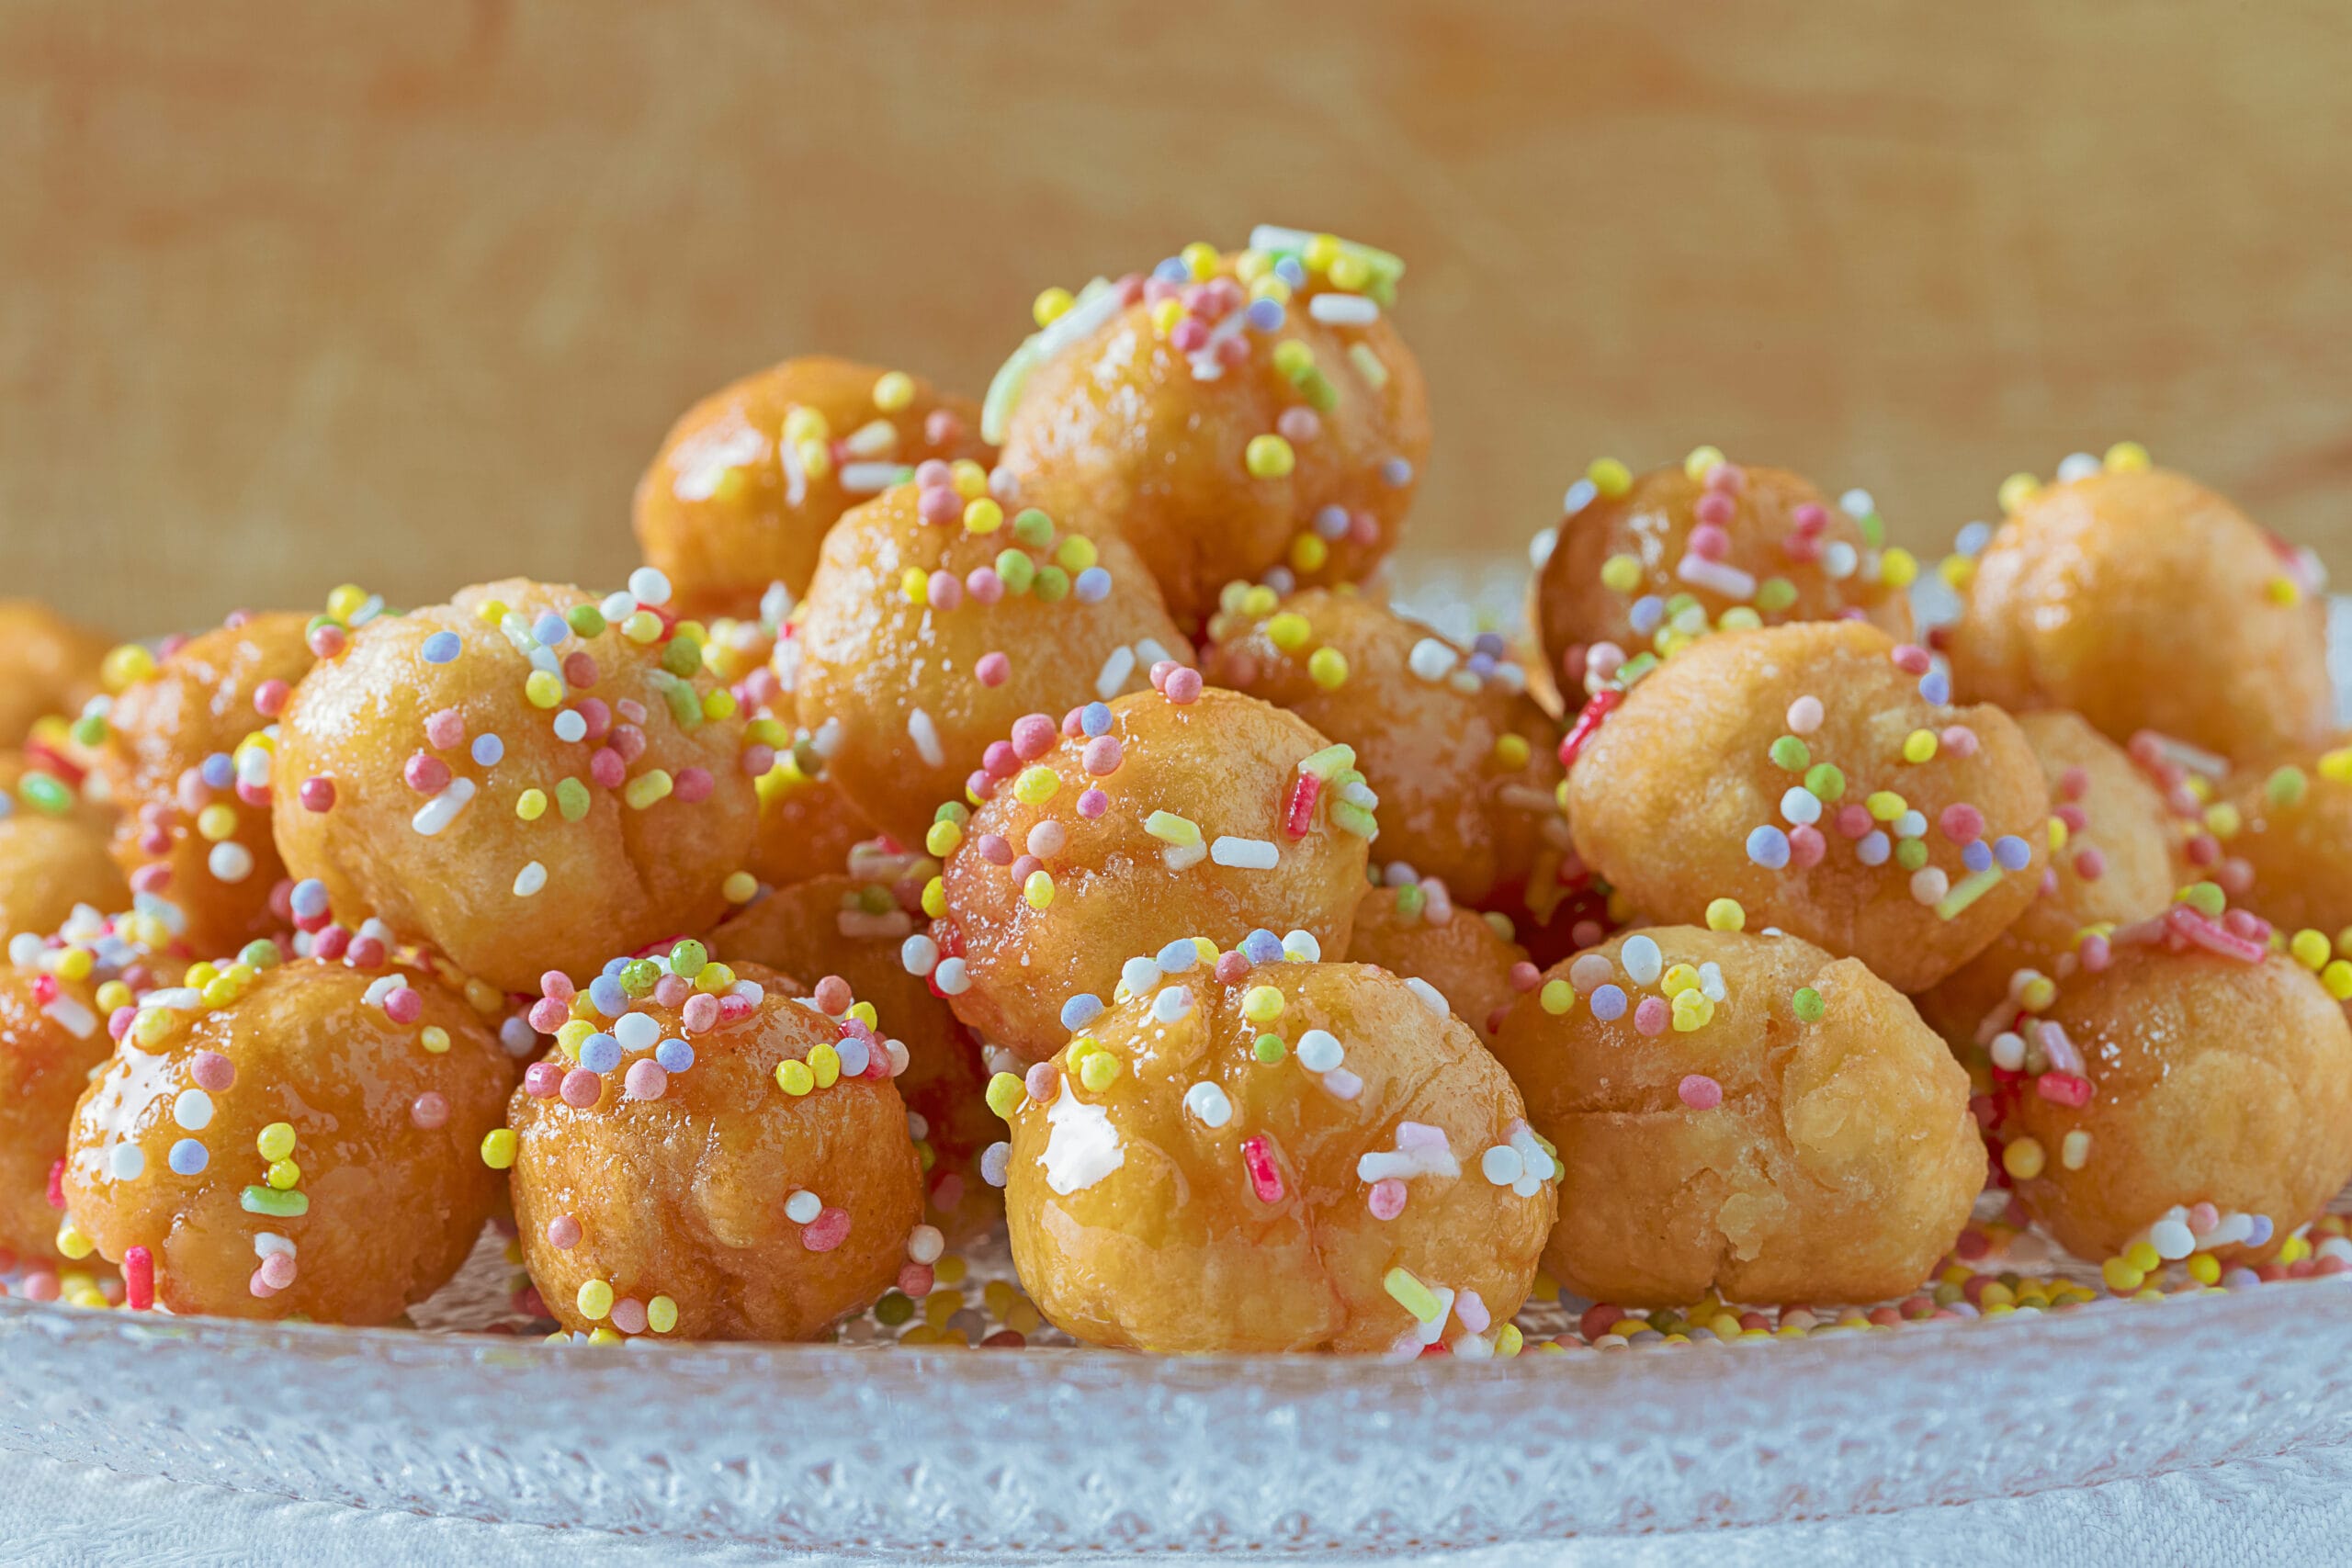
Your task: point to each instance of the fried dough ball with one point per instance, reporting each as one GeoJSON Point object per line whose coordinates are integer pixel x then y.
{"type": "Point", "coordinates": [1743, 1115]}
{"type": "Point", "coordinates": [523, 778]}
{"type": "Point", "coordinates": [1191, 809]}
{"type": "Point", "coordinates": [54, 852]}
{"type": "Point", "coordinates": [706, 1156]}
{"type": "Point", "coordinates": [1256, 1155]}
{"type": "Point", "coordinates": [2195, 1100]}
{"type": "Point", "coordinates": [1232, 414]}
{"type": "Point", "coordinates": [1662, 556]}
{"type": "Point", "coordinates": [295, 1139]}
{"type": "Point", "coordinates": [939, 615]}
{"type": "Point", "coordinates": [807, 827]}
{"type": "Point", "coordinates": [855, 926]}
{"type": "Point", "coordinates": [2144, 600]}
{"type": "Point", "coordinates": [186, 763]}
{"type": "Point", "coordinates": [2290, 829]}
{"type": "Point", "coordinates": [48, 665]}
{"type": "Point", "coordinates": [1417, 932]}
{"type": "Point", "coordinates": [2115, 865]}
{"type": "Point", "coordinates": [1463, 757]}
{"type": "Point", "coordinates": [748, 479]}
{"type": "Point", "coordinates": [1814, 778]}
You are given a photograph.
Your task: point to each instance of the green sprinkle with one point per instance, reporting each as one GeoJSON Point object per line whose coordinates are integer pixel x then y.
{"type": "Point", "coordinates": [1033, 528]}
{"type": "Point", "coordinates": [680, 656]}
{"type": "Point", "coordinates": [687, 959]}
{"type": "Point", "coordinates": [1268, 1049]}
{"type": "Point", "coordinates": [1790, 754]}
{"type": "Point", "coordinates": [2285, 787]}
{"type": "Point", "coordinates": [686, 706]}
{"type": "Point", "coordinates": [1911, 853]}
{"type": "Point", "coordinates": [1825, 781]}
{"type": "Point", "coordinates": [640, 976]}
{"type": "Point", "coordinates": [46, 795]}
{"type": "Point", "coordinates": [271, 1201]}
{"type": "Point", "coordinates": [585, 620]}
{"type": "Point", "coordinates": [571, 799]}
{"type": "Point", "coordinates": [1410, 901]}
{"type": "Point", "coordinates": [1052, 584]}
{"type": "Point", "coordinates": [262, 954]}
{"type": "Point", "coordinates": [1320, 394]}
{"type": "Point", "coordinates": [1775, 594]}
{"type": "Point", "coordinates": [894, 1309]}
{"type": "Point", "coordinates": [1809, 1005]}
{"type": "Point", "coordinates": [1017, 569]}
{"type": "Point", "coordinates": [2206, 897]}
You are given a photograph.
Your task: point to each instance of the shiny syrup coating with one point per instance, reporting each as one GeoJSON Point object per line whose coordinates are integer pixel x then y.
{"type": "Point", "coordinates": [2295, 839]}
{"type": "Point", "coordinates": [1460, 951]}
{"type": "Point", "coordinates": [53, 849]}
{"type": "Point", "coordinates": [1138, 1223]}
{"type": "Point", "coordinates": [48, 1050]}
{"type": "Point", "coordinates": [725, 511]}
{"type": "Point", "coordinates": [386, 1144]}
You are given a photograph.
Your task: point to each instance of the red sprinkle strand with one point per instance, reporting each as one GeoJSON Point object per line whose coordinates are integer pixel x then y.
{"type": "Point", "coordinates": [1265, 1178]}
{"type": "Point", "coordinates": [138, 1279]}
{"type": "Point", "coordinates": [1604, 702]}
{"type": "Point", "coordinates": [1300, 817]}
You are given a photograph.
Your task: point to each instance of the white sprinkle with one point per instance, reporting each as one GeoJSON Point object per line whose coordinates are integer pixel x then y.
{"type": "Point", "coordinates": [1249, 855]}
{"type": "Point", "coordinates": [1207, 1102]}
{"type": "Point", "coordinates": [1341, 1084]}
{"type": "Point", "coordinates": [1149, 652]}
{"type": "Point", "coordinates": [1137, 976]}
{"type": "Point", "coordinates": [950, 976]}
{"type": "Point", "coordinates": [2008, 1051]}
{"type": "Point", "coordinates": [1171, 1003]}
{"type": "Point", "coordinates": [571, 728]}
{"type": "Point", "coordinates": [918, 954]}
{"type": "Point", "coordinates": [803, 1206]}
{"type": "Point", "coordinates": [924, 1244]}
{"type": "Point", "coordinates": [1320, 1051]}
{"type": "Point", "coordinates": [127, 1162]}
{"type": "Point", "coordinates": [1721, 575]}
{"type": "Point", "coordinates": [530, 880]}
{"type": "Point", "coordinates": [193, 1110]}
{"type": "Point", "coordinates": [1838, 561]}
{"type": "Point", "coordinates": [647, 585]}
{"type": "Point", "coordinates": [1112, 678]}
{"type": "Point", "coordinates": [1302, 947]}
{"type": "Point", "coordinates": [268, 1244]}
{"type": "Point", "coordinates": [637, 1031]}
{"type": "Point", "coordinates": [443, 809]}
{"type": "Point", "coordinates": [2171, 1240]}
{"type": "Point", "coordinates": [72, 1016]}
{"type": "Point", "coordinates": [1540, 547]}
{"type": "Point", "coordinates": [1643, 961]}
{"type": "Point", "coordinates": [1183, 857]}
{"type": "Point", "coordinates": [1581, 494]}
{"type": "Point", "coordinates": [1431, 997]}
{"type": "Point", "coordinates": [1431, 659]}
{"type": "Point", "coordinates": [1081, 1147]}
{"type": "Point", "coordinates": [229, 862]}
{"type": "Point", "coordinates": [1501, 1165]}
{"type": "Point", "coordinates": [1857, 503]}
{"type": "Point", "coordinates": [874, 438]}
{"type": "Point", "coordinates": [2078, 466]}
{"type": "Point", "coordinates": [1344, 310]}
{"type": "Point", "coordinates": [926, 735]}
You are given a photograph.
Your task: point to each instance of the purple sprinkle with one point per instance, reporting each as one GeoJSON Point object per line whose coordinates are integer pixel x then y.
{"type": "Point", "coordinates": [1977, 856]}
{"type": "Point", "coordinates": [1768, 847]}
{"type": "Point", "coordinates": [2013, 853]}
{"type": "Point", "coordinates": [1608, 1003]}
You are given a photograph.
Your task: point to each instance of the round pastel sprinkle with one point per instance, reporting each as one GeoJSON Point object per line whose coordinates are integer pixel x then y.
{"type": "Point", "coordinates": [1608, 1003]}
{"type": "Point", "coordinates": [442, 647]}
{"type": "Point", "coordinates": [1768, 847]}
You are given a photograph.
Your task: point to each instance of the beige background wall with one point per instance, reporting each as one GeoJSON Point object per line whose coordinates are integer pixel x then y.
{"type": "Point", "coordinates": [408, 292]}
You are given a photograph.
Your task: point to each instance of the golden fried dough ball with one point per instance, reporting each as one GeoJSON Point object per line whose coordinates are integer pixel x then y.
{"type": "Point", "coordinates": [291, 1139]}
{"type": "Point", "coordinates": [938, 616]}
{"type": "Point", "coordinates": [807, 827]}
{"type": "Point", "coordinates": [54, 852]}
{"type": "Point", "coordinates": [1251, 1153]}
{"type": "Point", "coordinates": [2144, 600]}
{"type": "Point", "coordinates": [2115, 865]}
{"type": "Point", "coordinates": [704, 1155]}
{"type": "Point", "coordinates": [1190, 810]}
{"type": "Point", "coordinates": [524, 779]}
{"type": "Point", "coordinates": [1744, 1114]}
{"type": "Point", "coordinates": [854, 927]}
{"type": "Point", "coordinates": [1462, 756]}
{"type": "Point", "coordinates": [1644, 559]}
{"type": "Point", "coordinates": [2196, 1100]}
{"type": "Point", "coordinates": [1415, 932]}
{"type": "Point", "coordinates": [1232, 414]}
{"type": "Point", "coordinates": [1815, 777]}
{"type": "Point", "coordinates": [48, 665]}
{"type": "Point", "coordinates": [186, 760]}
{"type": "Point", "coordinates": [748, 479]}
{"type": "Point", "coordinates": [2291, 830]}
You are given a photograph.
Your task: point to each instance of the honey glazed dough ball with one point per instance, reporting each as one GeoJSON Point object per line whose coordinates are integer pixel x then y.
{"type": "Point", "coordinates": [855, 926]}
{"type": "Point", "coordinates": [2194, 1099]}
{"type": "Point", "coordinates": [1417, 932]}
{"type": "Point", "coordinates": [291, 1139]}
{"type": "Point", "coordinates": [704, 1155]}
{"type": "Point", "coordinates": [1816, 777]}
{"type": "Point", "coordinates": [48, 665]}
{"type": "Point", "coordinates": [750, 478]}
{"type": "Point", "coordinates": [2144, 600]}
{"type": "Point", "coordinates": [1463, 758]}
{"type": "Point", "coordinates": [806, 825]}
{"type": "Point", "coordinates": [185, 755]}
{"type": "Point", "coordinates": [2290, 828]}
{"type": "Point", "coordinates": [53, 839]}
{"type": "Point", "coordinates": [2114, 862]}
{"type": "Point", "coordinates": [1253, 1153]}
{"type": "Point", "coordinates": [1642, 561]}
{"type": "Point", "coordinates": [942, 612]}
{"type": "Point", "coordinates": [1233, 415]}
{"type": "Point", "coordinates": [523, 778]}
{"type": "Point", "coordinates": [1743, 1115]}
{"type": "Point", "coordinates": [1191, 809]}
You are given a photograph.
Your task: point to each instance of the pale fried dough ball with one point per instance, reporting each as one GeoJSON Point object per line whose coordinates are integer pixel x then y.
{"type": "Point", "coordinates": [2144, 600]}
{"type": "Point", "coordinates": [48, 665]}
{"type": "Point", "coordinates": [1715, 535]}
{"type": "Point", "coordinates": [2115, 865]}
{"type": "Point", "coordinates": [1196, 811]}
{"type": "Point", "coordinates": [1232, 414]}
{"type": "Point", "coordinates": [54, 852]}
{"type": "Point", "coordinates": [704, 1156]}
{"type": "Point", "coordinates": [748, 479]}
{"type": "Point", "coordinates": [1417, 934]}
{"type": "Point", "coordinates": [1463, 758]}
{"type": "Point", "coordinates": [853, 926]}
{"type": "Point", "coordinates": [1795, 1134]}
{"type": "Point", "coordinates": [306, 1147]}
{"type": "Point", "coordinates": [939, 615]}
{"type": "Point", "coordinates": [1775, 769]}
{"type": "Point", "coordinates": [184, 767]}
{"type": "Point", "coordinates": [2293, 834]}
{"type": "Point", "coordinates": [2179, 1078]}
{"type": "Point", "coordinates": [524, 789]}
{"type": "Point", "coordinates": [1256, 1155]}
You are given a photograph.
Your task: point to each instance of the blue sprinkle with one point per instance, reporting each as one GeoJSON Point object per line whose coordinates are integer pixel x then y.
{"type": "Point", "coordinates": [1178, 956]}
{"type": "Point", "coordinates": [219, 769]}
{"type": "Point", "coordinates": [1332, 522]}
{"type": "Point", "coordinates": [605, 994]}
{"type": "Point", "coordinates": [1481, 664]}
{"type": "Point", "coordinates": [1935, 686]}
{"type": "Point", "coordinates": [1092, 585]}
{"type": "Point", "coordinates": [676, 1056]}
{"type": "Point", "coordinates": [1094, 718]}
{"type": "Point", "coordinates": [1081, 1009]}
{"type": "Point", "coordinates": [2260, 1235]}
{"type": "Point", "coordinates": [615, 966]}
{"type": "Point", "coordinates": [188, 1158]}
{"type": "Point", "coordinates": [310, 897]}
{"type": "Point", "coordinates": [1875, 847]}
{"type": "Point", "coordinates": [600, 1052]}
{"type": "Point", "coordinates": [2012, 851]}
{"type": "Point", "coordinates": [441, 647]}
{"type": "Point", "coordinates": [1768, 847]}
{"type": "Point", "coordinates": [1396, 472]}
{"type": "Point", "coordinates": [1973, 538]}
{"type": "Point", "coordinates": [550, 629]}
{"type": "Point", "coordinates": [488, 750]}
{"type": "Point", "coordinates": [1977, 856]}
{"type": "Point", "coordinates": [1291, 270]}
{"type": "Point", "coordinates": [1646, 614]}
{"type": "Point", "coordinates": [1172, 270]}
{"type": "Point", "coordinates": [1608, 1002]}
{"type": "Point", "coordinates": [1262, 946]}
{"type": "Point", "coordinates": [1491, 644]}
{"type": "Point", "coordinates": [1266, 315]}
{"type": "Point", "coordinates": [2241, 1279]}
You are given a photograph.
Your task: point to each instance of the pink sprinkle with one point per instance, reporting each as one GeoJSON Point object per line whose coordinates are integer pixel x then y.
{"type": "Point", "coordinates": [1300, 424]}
{"type": "Point", "coordinates": [317, 793]}
{"type": "Point", "coordinates": [138, 1279]}
{"type": "Point", "coordinates": [2074, 783]}
{"type": "Point", "coordinates": [119, 1021]}
{"type": "Point", "coordinates": [581, 1089]}
{"type": "Point", "coordinates": [2063, 1088]}
{"type": "Point", "coordinates": [326, 641]}
{"type": "Point", "coordinates": [429, 1110]}
{"type": "Point", "coordinates": [1651, 1017]}
{"type": "Point", "coordinates": [152, 878]}
{"type": "Point", "coordinates": [1093, 804]}
{"type": "Point", "coordinates": [1023, 866]}
{"type": "Point", "coordinates": [827, 1231]}
{"type": "Point", "coordinates": [984, 585]}
{"type": "Point", "coordinates": [542, 1081]}
{"type": "Point", "coordinates": [1811, 518]}
{"type": "Point", "coordinates": [993, 669]}
{"type": "Point", "coordinates": [980, 784]}
{"type": "Point", "coordinates": [606, 768]}
{"type": "Point", "coordinates": [628, 1316]}
{"type": "Point", "coordinates": [915, 1281]}
{"type": "Point", "coordinates": [2074, 817]}
{"type": "Point", "coordinates": [701, 1012]}
{"type": "Point", "coordinates": [944, 590]}
{"type": "Point", "coordinates": [672, 990]}
{"type": "Point", "coordinates": [445, 730]}
{"type": "Point", "coordinates": [733, 1009]}
{"type": "Point", "coordinates": [1363, 528]}
{"type": "Point", "coordinates": [579, 670]}
{"type": "Point", "coordinates": [1960, 740]}
{"type": "Point", "coordinates": [1265, 1177]}
{"type": "Point", "coordinates": [1854, 821]}
{"type": "Point", "coordinates": [993, 848]}
{"type": "Point", "coordinates": [425, 774]}
{"type": "Point", "coordinates": [1189, 336]}
{"type": "Point", "coordinates": [1524, 977]}
{"type": "Point", "coordinates": [940, 506]}
{"type": "Point", "coordinates": [646, 1080]}
{"type": "Point", "coordinates": [403, 1004]}
{"type": "Point", "coordinates": [548, 1015]}
{"type": "Point", "coordinates": [1911, 659]}
{"type": "Point", "coordinates": [692, 784]}
{"type": "Point", "coordinates": [2203, 850]}
{"type": "Point", "coordinates": [1033, 736]}
{"type": "Point", "coordinates": [1160, 670]}
{"type": "Point", "coordinates": [1044, 1082]}
{"type": "Point", "coordinates": [269, 698]}
{"type": "Point", "coordinates": [628, 740]}
{"type": "Point", "coordinates": [42, 1285]}
{"type": "Point", "coordinates": [563, 1232]}
{"type": "Point", "coordinates": [332, 942]}
{"type": "Point", "coordinates": [2236, 877]}
{"type": "Point", "coordinates": [832, 996]}
{"type": "Point", "coordinates": [756, 759]}
{"type": "Point", "coordinates": [1714, 510]}
{"type": "Point", "coordinates": [942, 428]}
{"type": "Point", "coordinates": [1183, 686]}
{"type": "Point", "coordinates": [597, 714]}
{"type": "Point", "coordinates": [277, 1270]}
{"type": "Point", "coordinates": [1961, 823]}
{"type": "Point", "coordinates": [1230, 968]}
{"type": "Point", "coordinates": [1727, 477]}
{"type": "Point", "coordinates": [2203, 1217]}
{"type": "Point", "coordinates": [1103, 755]}
{"type": "Point", "coordinates": [1000, 759]}
{"type": "Point", "coordinates": [2089, 864]}
{"type": "Point", "coordinates": [1386, 1198]}
{"type": "Point", "coordinates": [932, 473]}
{"type": "Point", "coordinates": [1806, 846]}
{"type": "Point", "coordinates": [2095, 953]}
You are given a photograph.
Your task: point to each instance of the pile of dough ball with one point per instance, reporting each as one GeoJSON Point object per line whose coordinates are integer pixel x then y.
{"type": "Point", "coordinates": [891, 869]}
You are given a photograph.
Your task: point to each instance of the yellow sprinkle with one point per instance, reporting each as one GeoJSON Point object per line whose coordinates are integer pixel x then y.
{"type": "Point", "coordinates": [73, 1244]}
{"type": "Point", "coordinates": [1076, 553]}
{"type": "Point", "coordinates": [934, 898]}
{"type": "Point", "coordinates": [1556, 996]}
{"type": "Point", "coordinates": [795, 1077]}
{"type": "Point", "coordinates": [277, 1141]}
{"type": "Point", "coordinates": [825, 1064]}
{"type": "Point", "coordinates": [1098, 1070]}
{"type": "Point", "coordinates": [498, 1148]}
{"type": "Point", "coordinates": [2121, 1276]}
{"type": "Point", "coordinates": [2309, 947]}
{"type": "Point", "coordinates": [531, 804]}
{"type": "Point", "coordinates": [1726, 915]}
{"type": "Point", "coordinates": [1513, 752]}
{"type": "Point", "coordinates": [2074, 1150]}
{"type": "Point", "coordinates": [595, 1300]}
{"type": "Point", "coordinates": [1200, 259]}
{"type": "Point", "coordinates": [1308, 552]}
{"type": "Point", "coordinates": [1611, 478]}
{"type": "Point", "coordinates": [1898, 568]}
{"type": "Point", "coordinates": [1036, 785]}
{"type": "Point", "coordinates": [941, 838]}
{"type": "Point", "coordinates": [2016, 490]}
{"type": "Point", "coordinates": [2142, 1257]}
{"type": "Point", "coordinates": [1621, 574]}
{"type": "Point", "coordinates": [1050, 306]}
{"type": "Point", "coordinates": [2282, 590]}
{"type": "Point", "coordinates": [1701, 461]}
{"type": "Point", "coordinates": [1005, 1094]}
{"type": "Point", "coordinates": [1289, 631]}
{"type": "Point", "coordinates": [1327, 667]}
{"type": "Point", "coordinates": [1885, 805]}
{"type": "Point", "coordinates": [2337, 978]}
{"type": "Point", "coordinates": [124, 666]}
{"type": "Point", "coordinates": [983, 516]}
{"type": "Point", "coordinates": [739, 887]}
{"type": "Point", "coordinates": [2127, 458]}
{"type": "Point", "coordinates": [434, 1039]}
{"type": "Point", "coordinates": [1919, 746]}
{"type": "Point", "coordinates": [283, 1174]}
{"type": "Point", "coordinates": [894, 392]}
{"type": "Point", "coordinates": [1261, 1004]}
{"type": "Point", "coordinates": [543, 689]}
{"type": "Point", "coordinates": [1269, 457]}
{"type": "Point", "coordinates": [2022, 1158]}
{"type": "Point", "coordinates": [642, 627]}
{"type": "Point", "coordinates": [1408, 1292]}
{"type": "Point", "coordinates": [2205, 1268]}
{"type": "Point", "coordinates": [1037, 889]}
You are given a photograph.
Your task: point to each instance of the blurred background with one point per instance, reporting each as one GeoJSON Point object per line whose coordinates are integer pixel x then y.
{"type": "Point", "coordinates": [407, 294]}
